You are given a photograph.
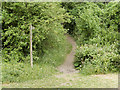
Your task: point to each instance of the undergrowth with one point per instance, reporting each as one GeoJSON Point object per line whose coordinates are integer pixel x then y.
{"type": "Point", "coordinates": [92, 59]}
{"type": "Point", "coordinates": [96, 29]}
{"type": "Point", "coordinates": [20, 72]}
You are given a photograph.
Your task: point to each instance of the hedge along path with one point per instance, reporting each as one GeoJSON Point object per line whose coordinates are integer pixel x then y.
{"type": "Point", "coordinates": [67, 66]}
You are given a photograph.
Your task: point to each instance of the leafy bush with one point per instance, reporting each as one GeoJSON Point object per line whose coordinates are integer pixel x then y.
{"type": "Point", "coordinates": [92, 24]}
{"type": "Point", "coordinates": [93, 59]}
{"type": "Point", "coordinates": [95, 26]}
{"type": "Point", "coordinates": [47, 18]}
{"type": "Point", "coordinates": [49, 42]}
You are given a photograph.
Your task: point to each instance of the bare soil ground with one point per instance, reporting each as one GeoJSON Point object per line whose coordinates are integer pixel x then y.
{"type": "Point", "coordinates": [67, 66]}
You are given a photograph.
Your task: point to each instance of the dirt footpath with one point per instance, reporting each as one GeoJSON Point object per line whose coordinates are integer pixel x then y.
{"type": "Point", "coordinates": [67, 66]}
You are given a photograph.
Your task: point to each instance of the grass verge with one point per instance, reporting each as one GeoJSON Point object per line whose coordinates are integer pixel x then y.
{"type": "Point", "coordinates": [20, 72]}
{"type": "Point", "coordinates": [70, 81]}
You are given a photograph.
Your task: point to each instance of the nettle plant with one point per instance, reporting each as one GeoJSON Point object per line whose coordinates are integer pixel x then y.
{"type": "Point", "coordinates": [16, 19]}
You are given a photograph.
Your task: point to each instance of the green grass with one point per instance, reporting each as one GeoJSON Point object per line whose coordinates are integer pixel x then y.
{"type": "Point", "coordinates": [45, 74]}
{"type": "Point", "coordinates": [70, 81]}
{"type": "Point", "coordinates": [20, 72]}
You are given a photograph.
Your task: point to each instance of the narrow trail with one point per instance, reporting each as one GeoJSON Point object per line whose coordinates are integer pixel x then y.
{"type": "Point", "coordinates": [67, 66]}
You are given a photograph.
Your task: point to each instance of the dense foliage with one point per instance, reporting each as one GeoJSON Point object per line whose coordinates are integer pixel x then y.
{"type": "Point", "coordinates": [48, 32]}
{"type": "Point", "coordinates": [49, 43]}
{"type": "Point", "coordinates": [96, 27]}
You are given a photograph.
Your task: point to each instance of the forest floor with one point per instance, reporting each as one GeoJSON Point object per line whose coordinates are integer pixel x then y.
{"type": "Point", "coordinates": [68, 77]}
